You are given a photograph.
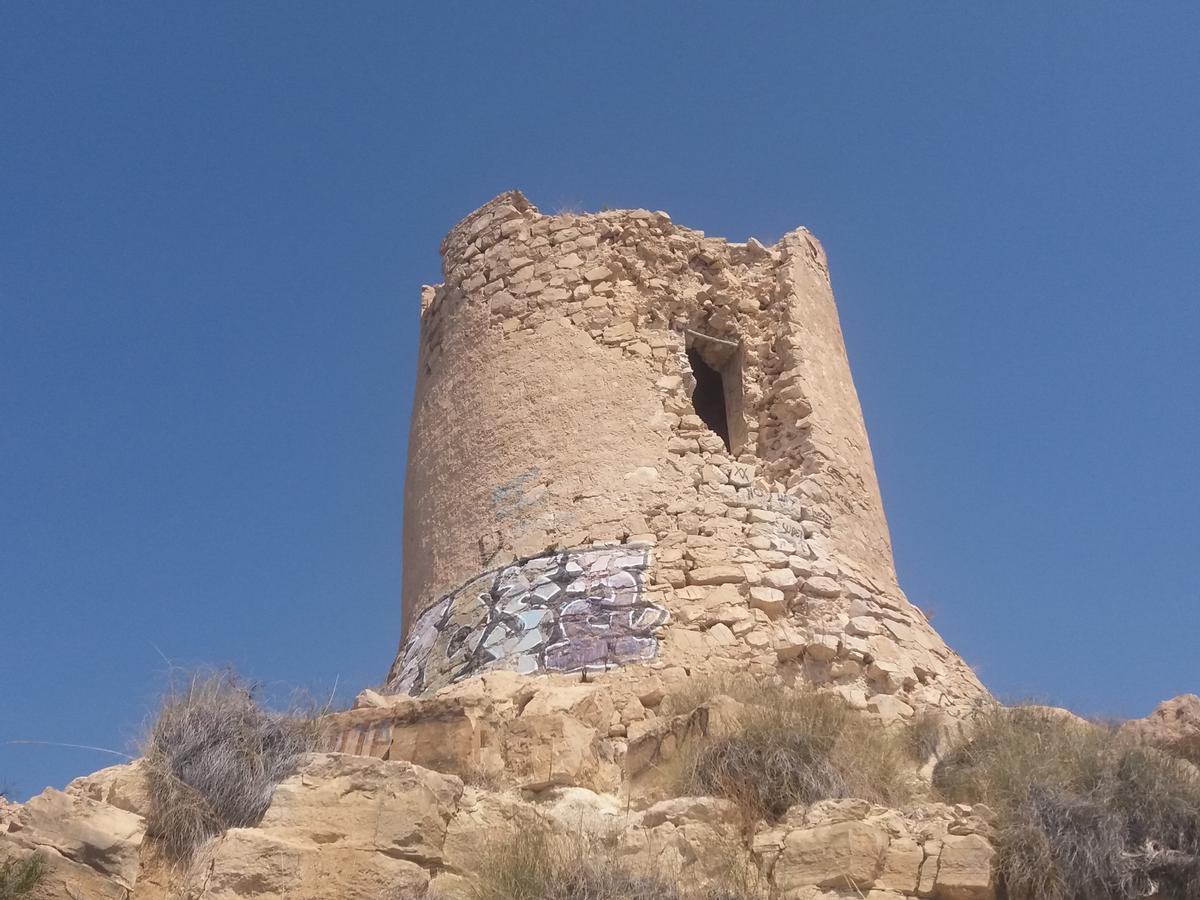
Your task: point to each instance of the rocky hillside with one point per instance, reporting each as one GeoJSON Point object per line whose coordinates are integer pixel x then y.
{"type": "Point", "coordinates": [740, 791]}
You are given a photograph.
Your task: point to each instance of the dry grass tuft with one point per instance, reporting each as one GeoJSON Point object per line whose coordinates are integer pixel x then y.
{"type": "Point", "coordinates": [923, 734]}
{"type": "Point", "coordinates": [213, 759]}
{"type": "Point", "coordinates": [1011, 749]}
{"type": "Point", "coordinates": [698, 692]}
{"type": "Point", "coordinates": [1083, 815]}
{"type": "Point", "coordinates": [794, 746]}
{"type": "Point", "coordinates": [536, 864]}
{"type": "Point", "coordinates": [20, 876]}
{"type": "Point", "coordinates": [1187, 748]}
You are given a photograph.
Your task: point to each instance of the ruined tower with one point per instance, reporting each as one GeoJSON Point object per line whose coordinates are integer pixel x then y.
{"type": "Point", "coordinates": [637, 446]}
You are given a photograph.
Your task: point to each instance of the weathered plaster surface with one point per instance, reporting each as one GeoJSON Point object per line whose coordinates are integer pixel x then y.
{"type": "Point", "coordinates": [554, 410]}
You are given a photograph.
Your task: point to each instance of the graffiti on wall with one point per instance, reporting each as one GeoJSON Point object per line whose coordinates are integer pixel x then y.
{"type": "Point", "coordinates": [570, 611]}
{"type": "Point", "coordinates": [511, 497]}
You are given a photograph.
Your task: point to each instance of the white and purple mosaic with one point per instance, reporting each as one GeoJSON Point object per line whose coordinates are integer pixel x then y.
{"type": "Point", "coordinates": [570, 611]}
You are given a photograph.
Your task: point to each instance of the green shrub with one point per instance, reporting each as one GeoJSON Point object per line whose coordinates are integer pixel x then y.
{"type": "Point", "coordinates": [1082, 814]}
{"type": "Point", "coordinates": [20, 876]}
{"type": "Point", "coordinates": [213, 759]}
{"type": "Point", "coordinates": [793, 746]}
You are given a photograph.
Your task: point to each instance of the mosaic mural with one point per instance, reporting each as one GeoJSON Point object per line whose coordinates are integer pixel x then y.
{"type": "Point", "coordinates": [570, 611]}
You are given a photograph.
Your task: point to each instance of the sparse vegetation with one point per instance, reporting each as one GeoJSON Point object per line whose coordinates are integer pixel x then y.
{"type": "Point", "coordinates": [536, 864]}
{"type": "Point", "coordinates": [19, 876]}
{"type": "Point", "coordinates": [213, 758]}
{"type": "Point", "coordinates": [1187, 748]}
{"type": "Point", "coordinates": [698, 692]}
{"type": "Point", "coordinates": [793, 746]}
{"type": "Point", "coordinates": [1082, 814]}
{"type": "Point", "coordinates": [923, 734]}
{"type": "Point", "coordinates": [407, 893]}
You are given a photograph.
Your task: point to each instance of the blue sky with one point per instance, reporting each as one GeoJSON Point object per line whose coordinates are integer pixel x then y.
{"type": "Point", "coordinates": [216, 219]}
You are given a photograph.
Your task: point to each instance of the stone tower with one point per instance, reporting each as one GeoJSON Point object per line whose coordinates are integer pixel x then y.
{"type": "Point", "coordinates": [634, 446]}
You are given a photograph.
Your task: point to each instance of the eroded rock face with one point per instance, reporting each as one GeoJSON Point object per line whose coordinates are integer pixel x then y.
{"type": "Point", "coordinates": [1174, 725]}
{"type": "Point", "coordinates": [347, 803]}
{"type": "Point", "coordinates": [342, 826]}
{"type": "Point", "coordinates": [848, 854]}
{"type": "Point", "coordinates": [121, 786]}
{"type": "Point", "coordinates": [964, 869]}
{"type": "Point", "coordinates": [250, 862]}
{"type": "Point", "coordinates": [91, 848]}
{"type": "Point", "coordinates": [851, 848]}
{"type": "Point", "coordinates": [355, 828]}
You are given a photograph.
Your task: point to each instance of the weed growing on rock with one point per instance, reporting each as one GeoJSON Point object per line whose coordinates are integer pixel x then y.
{"type": "Point", "coordinates": [20, 876]}
{"type": "Point", "coordinates": [923, 733]}
{"type": "Point", "coordinates": [537, 864]}
{"type": "Point", "coordinates": [1082, 814]}
{"type": "Point", "coordinates": [1187, 748]}
{"type": "Point", "coordinates": [213, 759]}
{"type": "Point", "coordinates": [792, 746]}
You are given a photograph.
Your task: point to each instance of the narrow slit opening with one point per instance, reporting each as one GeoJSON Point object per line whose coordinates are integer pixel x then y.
{"type": "Point", "coordinates": [709, 396]}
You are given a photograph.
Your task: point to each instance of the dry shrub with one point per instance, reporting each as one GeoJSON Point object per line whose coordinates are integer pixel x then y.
{"type": "Point", "coordinates": [1187, 748]}
{"type": "Point", "coordinates": [213, 759]}
{"type": "Point", "coordinates": [923, 734]}
{"type": "Point", "coordinates": [537, 864]}
{"type": "Point", "coordinates": [408, 893]}
{"type": "Point", "coordinates": [698, 692]}
{"type": "Point", "coordinates": [1082, 814]}
{"type": "Point", "coordinates": [1011, 749]}
{"type": "Point", "coordinates": [794, 746]}
{"type": "Point", "coordinates": [20, 876]}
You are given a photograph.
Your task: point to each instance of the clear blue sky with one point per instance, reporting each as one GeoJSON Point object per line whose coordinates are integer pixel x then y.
{"type": "Point", "coordinates": [216, 218]}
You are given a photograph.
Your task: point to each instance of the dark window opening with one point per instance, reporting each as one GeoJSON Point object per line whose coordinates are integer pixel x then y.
{"type": "Point", "coordinates": [709, 396]}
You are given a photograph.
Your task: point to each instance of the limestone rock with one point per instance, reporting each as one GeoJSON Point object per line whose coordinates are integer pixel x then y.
{"type": "Point", "coordinates": [821, 586]}
{"type": "Point", "coordinates": [889, 709]}
{"type": "Point", "coordinates": [1174, 726]}
{"type": "Point", "coordinates": [683, 810]}
{"type": "Point", "coordinates": [100, 837]}
{"type": "Point", "coordinates": [552, 750]}
{"type": "Point", "coordinates": [255, 863]}
{"type": "Point", "coordinates": [337, 802]}
{"type": "Point", "coordinates": [716, 575]}
{"type": "Point", "coordinates": [846, 855]}
{"type": "Point", "coordinates": [344, 827]}
{"type": "Point", "coordinates": [63, 878]}
{"type": "Point", "coordinates": [695, 836]}
{"type": "Point", "coordinates": [770, 600]}
{"type": "Point", "coordinates": [483, 816]}
{"type": "Point", "coordinates": [902, 866]}
{"type": "Point", "coordinates": [580, 809]}
{"type": "Point", "coordinates": [965, 869]}
{"type": "Point", "coordinates": [122, 786]}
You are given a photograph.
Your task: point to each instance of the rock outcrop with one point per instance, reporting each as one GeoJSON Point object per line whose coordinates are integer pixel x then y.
{"type": "Point", "coordinates": [1173, 726]}
{"type": "Point", "coordinates": [345, 827]}
{"type": "Point", "coordinates": [92, 848]}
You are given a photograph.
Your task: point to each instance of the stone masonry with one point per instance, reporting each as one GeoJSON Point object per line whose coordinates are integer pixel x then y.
{"type": "Point", "coordinates": [634, 445]}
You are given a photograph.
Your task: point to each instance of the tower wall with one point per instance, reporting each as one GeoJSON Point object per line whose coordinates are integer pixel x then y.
{"type": "Point", "coordinates": [568, 510]}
